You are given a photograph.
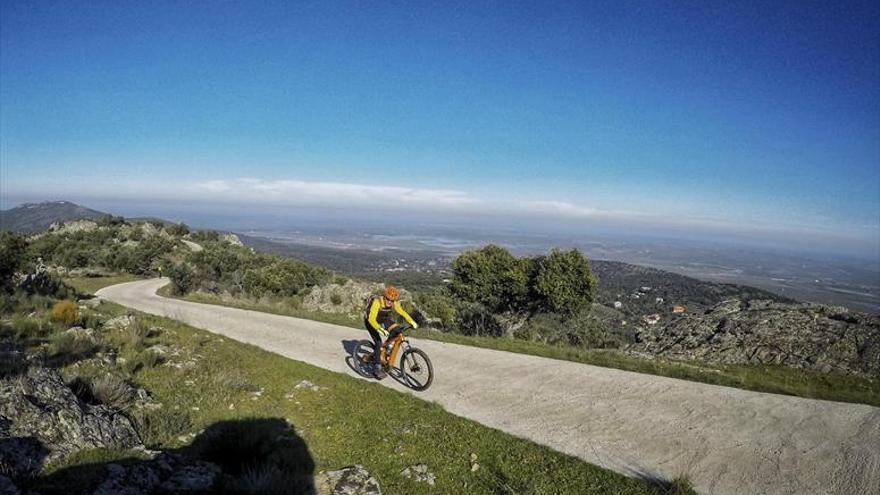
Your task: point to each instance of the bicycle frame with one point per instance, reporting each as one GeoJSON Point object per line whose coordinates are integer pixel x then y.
{"type": "Point", "coordinates": [396, 344]}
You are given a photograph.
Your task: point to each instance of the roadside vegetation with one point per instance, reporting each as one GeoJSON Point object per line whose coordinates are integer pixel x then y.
{"type": "Point", "coordinates": [549, 305]}
{"type": "Point", "coordinates": [202, 396]}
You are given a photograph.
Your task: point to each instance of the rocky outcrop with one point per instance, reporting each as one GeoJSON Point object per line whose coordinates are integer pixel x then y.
{"type": "Point", "coordinates": [807, 336]}
{"type": "Point", "coordinates": [39, 407]}
{"type": "Point", "coordinates": [166, 473]}
{"type": "Point", "coordinates": [352, 480]}
{"type": "Point", "coordinates": [347, 298]}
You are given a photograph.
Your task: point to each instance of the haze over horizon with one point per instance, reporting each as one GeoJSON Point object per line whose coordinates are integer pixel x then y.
{"type": "Point", "coordinates": [735, 120]}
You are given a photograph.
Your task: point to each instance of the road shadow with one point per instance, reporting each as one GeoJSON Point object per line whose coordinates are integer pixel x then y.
{"type": "Point", "coordinates": [260, 455]}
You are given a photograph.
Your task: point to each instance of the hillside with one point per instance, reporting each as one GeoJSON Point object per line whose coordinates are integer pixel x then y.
{"type": "Point", "coordinates": [36, 217]}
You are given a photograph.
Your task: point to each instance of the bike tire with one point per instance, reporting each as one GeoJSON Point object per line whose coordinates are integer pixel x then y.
{"type": "Point", "coordinates": [362, 357]}
{"type": "Point", "coordinates": [417, 379]}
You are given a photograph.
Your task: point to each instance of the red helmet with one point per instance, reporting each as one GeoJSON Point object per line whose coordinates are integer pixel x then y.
{"type": "Point", "coordinates": [391, 293]}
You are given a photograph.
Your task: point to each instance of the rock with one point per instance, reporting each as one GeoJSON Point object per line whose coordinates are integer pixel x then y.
{"type": "Point", "coordinates": [165, 473]}
{"type": "Point", "coordinates": [419, 472]}
{"type": "Point", "coordinates": [308, 386]}
{"type": "Point", "coordinates": [351, 480]}
{"type": "Point", "coordinates": [798, 335]}
{"type": "Point", "coordinates": [41, 406]}
{"type": "Point", "coordinates": [348, 298]}
{"type": "Point", "coordinates": [198, 476]}
{"type": "Point", "coordinates": [232, 239]}
{"type": "Point", "coordinates": [119, 323]}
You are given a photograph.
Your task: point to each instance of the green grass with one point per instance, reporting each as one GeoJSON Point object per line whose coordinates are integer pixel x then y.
{"type": "Point", "coordinates": [773, 379]}
{"type": "Point", "coordinates": [90, 285]}
{"type": "Point", "coordinates": [348, 421]}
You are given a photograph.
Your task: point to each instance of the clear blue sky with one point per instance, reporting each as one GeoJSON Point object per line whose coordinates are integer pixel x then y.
{"type": "Point", "coordinates": [717, 115]}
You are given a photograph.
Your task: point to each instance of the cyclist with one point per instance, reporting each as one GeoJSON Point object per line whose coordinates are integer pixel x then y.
{"type": "Point", "coordinates": [378, 318]}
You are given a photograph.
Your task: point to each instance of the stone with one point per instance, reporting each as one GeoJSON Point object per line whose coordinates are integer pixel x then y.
{"type": "Point", "coordinates": [120, 322]}
{"type": "Point", "coordinates": [41, 406]}
{"type": "Point", "coordinates": [419, 472]}
{"type": "Point", "coordinates": [351, 480]}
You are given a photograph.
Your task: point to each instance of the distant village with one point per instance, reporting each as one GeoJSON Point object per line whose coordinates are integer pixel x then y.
{"type": "Point", "coordinates": [644, 292]}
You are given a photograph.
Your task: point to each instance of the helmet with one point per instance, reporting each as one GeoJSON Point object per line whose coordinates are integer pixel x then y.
{"type": "Point", "coordinates": [391, 293]}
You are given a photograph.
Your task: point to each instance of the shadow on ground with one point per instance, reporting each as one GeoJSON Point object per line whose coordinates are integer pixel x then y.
{"type": "Point", "coordinates": [260, 455]}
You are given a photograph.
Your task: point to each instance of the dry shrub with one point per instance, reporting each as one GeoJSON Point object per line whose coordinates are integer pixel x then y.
{"type": "Point", "coordinates": [65, 313]}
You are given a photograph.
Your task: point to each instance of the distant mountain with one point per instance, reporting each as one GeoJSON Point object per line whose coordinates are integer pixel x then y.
{"type": "Point", "coordinates": [36, 217]}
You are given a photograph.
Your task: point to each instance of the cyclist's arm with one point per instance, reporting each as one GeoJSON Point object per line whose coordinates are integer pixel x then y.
{"type": "Point", "coordinates": [399, 309]}
{"type": "Point", "coordinates": [372, 318]}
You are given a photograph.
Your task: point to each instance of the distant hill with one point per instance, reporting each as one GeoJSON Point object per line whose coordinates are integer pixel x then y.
{"type": "Point", "coordinates": [36, 217]}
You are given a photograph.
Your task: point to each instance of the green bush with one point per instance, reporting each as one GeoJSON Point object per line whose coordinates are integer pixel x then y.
{"type": "Point", "coordinates": [493, 277]}
{"type": "Point", "coordinates": [181, 276]}
{"type": "Point", "coordinates": [12, 256]}
{"type": "Point", "coordinates": [177, 230]}
{"type": "Point", "coordinates": [564, 282]}
{"type": "Point", "coordinates": [71, 345]}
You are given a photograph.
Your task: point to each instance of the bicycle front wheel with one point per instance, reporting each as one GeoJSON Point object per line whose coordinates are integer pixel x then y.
{"type": "Point", "coordinates": [416, 368]}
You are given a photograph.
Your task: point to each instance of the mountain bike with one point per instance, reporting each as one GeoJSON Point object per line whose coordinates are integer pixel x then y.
{"type": "Point", "coordinates": [414, 367]}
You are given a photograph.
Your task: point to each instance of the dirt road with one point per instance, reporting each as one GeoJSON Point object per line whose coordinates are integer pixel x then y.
{"type": "Point", "coordinates": [725, 440]}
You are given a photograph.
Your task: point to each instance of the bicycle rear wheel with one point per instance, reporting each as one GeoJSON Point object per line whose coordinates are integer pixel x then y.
{"type": "Point", "coordinates": [416, 368]}
{"type": "Point", "coordinates": [362, 358]}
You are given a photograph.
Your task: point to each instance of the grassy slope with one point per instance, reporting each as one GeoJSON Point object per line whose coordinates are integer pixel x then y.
{"type": "Point", "coordinates": [89, 285]}
{"type": "Point", "coordinates": [348, 421]}
{"type": "Point", "coordinates": [772, 379]}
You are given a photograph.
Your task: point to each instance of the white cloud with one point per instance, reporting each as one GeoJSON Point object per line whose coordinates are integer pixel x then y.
{"type": "Point", "coordinates": [337, 193]}
{"type": "Point", "coordinates": [560, 208]}
{"type": "Point", "coordinates": [214, 186]}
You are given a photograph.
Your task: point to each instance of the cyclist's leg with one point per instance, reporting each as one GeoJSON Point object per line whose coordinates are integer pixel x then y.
{"type": "Point", "coordinates": [377, 343]}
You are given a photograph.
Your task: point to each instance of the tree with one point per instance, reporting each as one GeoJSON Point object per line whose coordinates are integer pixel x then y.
{"type": "Point", "coordinates": [564, 282]}
{"type": "Point", "coordinates": [12, 251]}
{"type": "Point", "coordinates": [492, 277]}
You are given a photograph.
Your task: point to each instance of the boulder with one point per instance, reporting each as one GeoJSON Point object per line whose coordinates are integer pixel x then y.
{"type": "Point", "coordinates": [39, 405]}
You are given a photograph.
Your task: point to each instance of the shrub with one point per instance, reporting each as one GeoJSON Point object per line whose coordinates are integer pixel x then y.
{"type": "Point", "coordinates": [143, 360]}
{"type": "Point", "coordinates": [564, 282]}
{"type": "Point", "coordinates": [71, 345]}
{"type": "Point", "coordinates": [12, 255]}
{"type": "Point", "coordinates": [160, 426]}
{"type": "Point", "coordinates": [136, 334]}
{"type": "Point", "coordinates": [177, 230]}
{"type": "Point", "coordinates": [181, 276]}
{"type": "Point", "coordinates": [65, 313]}
{"type": "Point", "coordinates": [493, 277]}
{"type": "Point", "coordinates": [336, 298]}
{"type": "Point", "coordinates": [113, 391]}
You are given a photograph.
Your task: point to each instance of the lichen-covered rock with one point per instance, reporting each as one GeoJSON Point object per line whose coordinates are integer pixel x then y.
{"type": "Point", "coordinates": [351, 480]}
{"type": "Point", "coordinates": [41, 406]}
{"type": "Point", "coordinates": [348, 298]}
{"type": "Point", "coordinates": [808, 336]}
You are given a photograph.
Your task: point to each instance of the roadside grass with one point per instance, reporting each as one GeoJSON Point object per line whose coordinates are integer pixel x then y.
{"type": "Point", "coordinates": [833, 386]}
{"type": "Point", "coordinates": [90, 285]}
{"type": "Point", "coordinates": [208, 379]}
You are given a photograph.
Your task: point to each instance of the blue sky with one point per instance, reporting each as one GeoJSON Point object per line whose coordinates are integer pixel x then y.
{"type": "Point", "coordinates": [756, 117]}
